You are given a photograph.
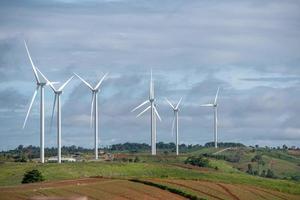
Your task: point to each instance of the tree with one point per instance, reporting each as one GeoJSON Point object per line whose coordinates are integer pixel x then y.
{"type": "Point", "coordinates": [250, 169]}
{"type": "Point", "coordinates": [270, 174]}
{"type": "Point", "coordinates": [199, 161]}
{"type": "Point", "coordinates": [263, 173]}
{"type": "Point", "coordinates": [258, 158]}
{"type": "Point", "coordinates": [33, 176]}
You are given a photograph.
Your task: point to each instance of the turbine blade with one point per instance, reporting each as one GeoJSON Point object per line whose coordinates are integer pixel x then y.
{"type": "Point", "coordinates": [143, 111]}
{"type": "Point", "coordinates": [216, 98]}
{"type": "Point", "coordinates": [139, 105]}
{"type": "Point", "coordinates": [173, 125]}
{"type": "Point", "coordinates": [92, 109]}
{"type": "Point", "coordinates": [151, 90]}
{"type": "Point", "coordinates": [87, 84]}
{"type": "Point", "coordinates": [53, 83]}
{"type": "Point", "coordinates": [178, 103]}
{"type": "Point", "coordinates": [157, 113]}
{"type": "Point", "coordinates": [98, 85]}
{"type": "Point", "coordinates": [64, 85]}
{"type": "Point", "coordinates": [170, 103]}
{"type": "Point", "coordinates": [52, 115]}
{"type": "Point", "coordinates": [33, 67]}
{"type": "Point", "coordinates": [30, 106]}
{"type": "Point", "coordinates": [47, 81]}
{"type": "Point", "coordinates": [207, 105]}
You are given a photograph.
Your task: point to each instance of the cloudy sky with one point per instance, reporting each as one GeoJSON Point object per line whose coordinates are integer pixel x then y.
{"type": "Point", "coordinates": [248, 48]}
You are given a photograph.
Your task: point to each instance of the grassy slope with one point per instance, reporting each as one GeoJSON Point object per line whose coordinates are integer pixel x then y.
{"type": "Point", "coordinates": [284, 165]}
{"type": "Point", "coordinates": [11, 173]}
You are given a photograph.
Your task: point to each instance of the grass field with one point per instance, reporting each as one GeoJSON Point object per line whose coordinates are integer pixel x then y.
{"type": "Point", "coordinates": [12, 173]}
{"type": "Point", "coordinates": [168, 172]}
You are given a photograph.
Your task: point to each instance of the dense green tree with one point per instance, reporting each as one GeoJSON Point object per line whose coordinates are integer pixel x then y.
{"type": "Point", "coordinates": [199, 161]}
{"type": "Point", "coordinates": [270, 174]}
{"type": "Point", "coordinates": [33, 176]}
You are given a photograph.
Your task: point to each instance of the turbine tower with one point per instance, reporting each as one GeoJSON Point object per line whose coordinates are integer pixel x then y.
{"type": "Point", "coordinates": [215, 107]}
{"type": "Point", "coordinates": [57, 93]}
{"type": "Point", "coordinates": [40, 83]}
{"type": "Point", "coordinates": [94, 108]}
{"type": "Point", "coordinates": [175, 121]}
{"type": "Point", "coordinates": [153, 114]}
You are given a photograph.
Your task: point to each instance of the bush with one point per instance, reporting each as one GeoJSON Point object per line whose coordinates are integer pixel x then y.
{"type": "Point", "coordinates": [295, 178]}
{"type": "Point", "coordinates": [33, 176]}
{"type": "Point", "coordinates": [199, 161]}
{"type": "Point", "coordinates": [136, 159]}
{"type": "Point", "coordinates": [270, 174]}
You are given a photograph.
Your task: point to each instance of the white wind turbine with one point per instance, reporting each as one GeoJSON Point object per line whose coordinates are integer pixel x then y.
{"type": "Point", "coordinates": [153, 115]}
{"type": "Point", "coordinates": [57, 93]}
{"type": "Point", "coordinates": [40, 83]}
{"type": "Point", "coordinates": [175, 121]}
{"type": "Point", "coordinates": [94, 108]}
{"type": "Point", "coordinates": [215, 107]}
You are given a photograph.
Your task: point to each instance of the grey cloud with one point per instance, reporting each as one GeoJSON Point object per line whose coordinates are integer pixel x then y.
{"type": "Point", "coordinates": [189, 45]}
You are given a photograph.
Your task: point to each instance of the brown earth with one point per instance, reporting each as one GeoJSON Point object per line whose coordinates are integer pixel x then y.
{"type": "Point", "coordinates": [82, 189]}
{"type": "Point", "coordinates": [105, 188]}
{"type": "Point", "coordinates": [213, 190]}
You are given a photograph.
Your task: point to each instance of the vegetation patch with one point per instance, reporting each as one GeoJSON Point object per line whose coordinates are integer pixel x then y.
{"type": "Point", "coordinates": [168, 188]}
{"type": "Point", "coordinates": [199, 161]}
{"type": "Point", "coordinates": [33, 176]}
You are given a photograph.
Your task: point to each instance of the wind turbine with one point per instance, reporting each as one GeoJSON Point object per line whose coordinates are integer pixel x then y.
{"type": "Point", "coordinates": [153, 115]}
{"type": "Point", "coordinates": [39, 85]}
{"type": "Point", "coordinates": [57, 93]}
{"type": "Point", "coordinates": [94, 108]}
{"type": "Point", "coordinates": [215, 107]}
{"type": "Point", "coordinates": [175, 121]}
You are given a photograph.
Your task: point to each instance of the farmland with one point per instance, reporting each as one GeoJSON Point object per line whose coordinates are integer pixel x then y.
{"type": "Point", "coordinates": [169, 177]}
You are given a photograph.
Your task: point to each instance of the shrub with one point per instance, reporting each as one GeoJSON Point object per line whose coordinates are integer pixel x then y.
{"type": "Point", "coordinates": [136, 159]}
{"type": "Point", "coordinates": [199, 161]}
{"type": "Point", "coordinates": [270, 174]}
{"type": "Point", "coordinates": [33, 176]}
{"type": "Point", "coordinates": [295, 178]}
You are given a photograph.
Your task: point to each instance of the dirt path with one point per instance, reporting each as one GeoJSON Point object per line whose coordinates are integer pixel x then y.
{"type": "Point", "coordinates": [228, 191]}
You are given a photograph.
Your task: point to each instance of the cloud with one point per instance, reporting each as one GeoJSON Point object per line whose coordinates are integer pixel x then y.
{"type": "Point", "coordinates": [193, 47]}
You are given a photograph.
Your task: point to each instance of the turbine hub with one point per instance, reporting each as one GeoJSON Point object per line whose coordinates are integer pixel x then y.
{"type": "Point", "coordinates": [42, 84]}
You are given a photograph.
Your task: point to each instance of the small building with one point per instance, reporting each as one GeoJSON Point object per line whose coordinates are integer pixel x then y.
{"type": "Point", "coordinates": [63, 159]}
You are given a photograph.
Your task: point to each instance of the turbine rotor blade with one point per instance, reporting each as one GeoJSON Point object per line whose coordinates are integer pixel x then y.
{"type": "Point", "coordinates": [53, 83]}
{"type": "Point", "coordinates": [47, 81]}
{"type": "Point", "coordinates": [178, 103]}
{"type": "Point", "coordinates": [173, 125]}
{"type": "Point", "coordinates": [143, 111]}
{"type": "Point", "coordinates": [151, 91]}
{"type": "Point", "coordinates": [86, 83]}
{"type": "Point", "coordinates": [64, 85]}
{"type": "Point", "coordinates": [216, 98]}
{"type": "Point", "coordinates": [170, 103]}
{"type": "Point", "coordinates": [92, 109]}
{"type": "Point", "coordinates": [52, 115]}
{"type": "Point", "coordinates": [207, 105]}
{"type": "Point", "coordinates": [30, 106]}
{"type": "Point", "coordinates": [100, 82]}
{"type": "Point", "coordinates": [157, 113]}
{"type": "Point", "coordinates": [139, 105]}
{"type": "Point", "coordinates": [33, 67]}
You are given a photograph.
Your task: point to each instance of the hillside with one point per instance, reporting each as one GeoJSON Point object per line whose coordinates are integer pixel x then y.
{"type": "Point", "coordinates": [225, 177]}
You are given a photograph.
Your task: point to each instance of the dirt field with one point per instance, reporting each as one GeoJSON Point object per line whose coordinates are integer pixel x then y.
{"type": "Point", "coordinates": [104, 188]}
{"type": "Point", "coordinates": [82, 189]}
{"type": "Point", "coordinates": [218, 191]}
